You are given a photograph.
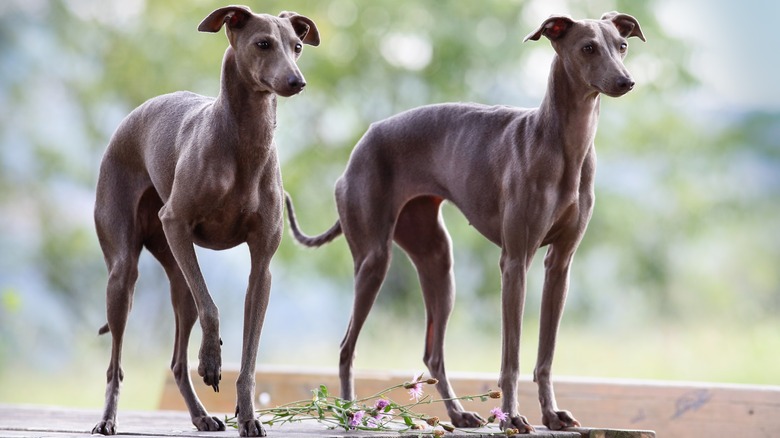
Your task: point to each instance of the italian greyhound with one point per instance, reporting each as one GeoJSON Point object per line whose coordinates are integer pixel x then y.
{"type": "Point", "coordinates": [184, 169]}
{"type": "Point", "coordinates": [522, 177]}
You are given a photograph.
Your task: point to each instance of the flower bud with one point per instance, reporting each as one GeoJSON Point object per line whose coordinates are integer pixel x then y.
{"type": "Point", "coordinates": [432, 381]}
{"type": "Point", "coordinates": [448, 427]}
{"type": "Point", "coordinates": [510, 432]}
{"type": "Point", "coordinates": [432, 421]}
{"type": "Point", "coordinates": [438, 432]}
{"type": "Point", "coordinates": [494, 394]}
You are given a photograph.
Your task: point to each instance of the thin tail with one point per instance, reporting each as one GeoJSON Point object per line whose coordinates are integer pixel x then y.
{"type": "Point", "coordinates": [310, 241]}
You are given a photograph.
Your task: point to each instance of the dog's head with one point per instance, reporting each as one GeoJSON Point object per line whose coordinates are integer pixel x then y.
{"type": "Point", "coordinates": [594, 48]}
{"type": "Point", "coordinates": [265, 47]}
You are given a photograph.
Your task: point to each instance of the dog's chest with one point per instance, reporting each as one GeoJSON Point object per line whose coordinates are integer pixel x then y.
{"type": "Point", "coordinates": [570, 214]}
{"type": "Point", "coordinates": [237, 211]}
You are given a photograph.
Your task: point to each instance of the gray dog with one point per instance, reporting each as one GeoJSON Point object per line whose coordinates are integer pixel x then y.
{"type": "Point", "coordinates": [522, 177]}
{"type": "Point", "coordinates": [184, 169]}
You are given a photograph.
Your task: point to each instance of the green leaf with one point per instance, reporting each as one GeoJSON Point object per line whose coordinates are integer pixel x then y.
{"type": "Point", "coordinates": [407, 420]}
{"type": "Point", "coordinates": [322, 392]}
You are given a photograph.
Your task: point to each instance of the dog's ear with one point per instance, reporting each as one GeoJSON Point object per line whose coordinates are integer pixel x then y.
{"type": "Point", "coordinates": [553, 28]}
{"type": "Point", "coordinates": [304, 28]}
{"type": "Point", "coordinates": [626, 25]}
{"type": "Point", "coordinates": [234, 16]}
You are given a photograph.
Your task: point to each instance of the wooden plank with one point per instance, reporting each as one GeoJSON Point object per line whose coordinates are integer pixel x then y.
{"type": "Point", "coordinates": [29, 421]}
{"type": "Point", "coordinates": [671, 409]}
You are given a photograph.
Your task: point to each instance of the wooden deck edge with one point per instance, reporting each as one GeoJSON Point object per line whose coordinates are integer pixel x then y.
{"type": "Point", "coordinates": [671, 409]}
{"type": "Point", "coordinates": [53, 421]}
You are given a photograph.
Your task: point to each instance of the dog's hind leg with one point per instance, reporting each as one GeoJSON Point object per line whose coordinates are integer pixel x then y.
{"type": "Point", "coordinates": [370, 245]}
{"type": "Point", "coordinates": [421, 233]}
{"type": "Point", "coordinates": [120, 239]}
{"type": "Point", "coordinates": [185, 312]}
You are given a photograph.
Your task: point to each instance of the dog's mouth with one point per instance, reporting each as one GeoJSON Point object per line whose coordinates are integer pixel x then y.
{"type": "Point", "coordinates": [282, 91]}
{"type": "Point", "coordinates": [613, 93]}
{"type": "Point", "coordinates": [619, 88]}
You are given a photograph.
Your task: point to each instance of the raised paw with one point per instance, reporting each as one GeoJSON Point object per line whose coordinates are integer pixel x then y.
{"type": "Point", "coordinates": [251, 428]}
{"type": "Point", "coordinates": [105, 427]}
{"type": "Point", "coordinates": [518, 422]}
{"type": "Point", "coordinates": [467, 419]}
{"type": "Point", "coordinates": [210, 366]}
{"type": "Point", "coordinates": [206, 423]}
{"type": "Point", "coordinates": [557, 420]}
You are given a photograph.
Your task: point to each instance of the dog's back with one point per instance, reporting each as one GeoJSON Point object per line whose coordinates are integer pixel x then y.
{"type": "Point", "coordinates": [149, 137]}
{"type": "Point", "coordinates": [417, 152]}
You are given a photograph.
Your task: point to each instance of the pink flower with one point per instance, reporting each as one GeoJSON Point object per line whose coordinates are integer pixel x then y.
{"type": "Point", "coordinates": [381, 404]}
{"type": "Point", "coordinates": [356, 418]}
{"type": "Point", "coordinates": [415, 388]}
{"type": "Point", "coordinates": [499, 414]}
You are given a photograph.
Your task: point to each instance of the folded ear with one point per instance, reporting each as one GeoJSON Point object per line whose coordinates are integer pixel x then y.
{"type": "Point", "coordinates": [553, 28]}
{"type": "Point", "coordinates": [235, 17]}
{"type": "Point", "coordinates": [304, 28]}
{"type": "Point", "coordinates": [626, 25]}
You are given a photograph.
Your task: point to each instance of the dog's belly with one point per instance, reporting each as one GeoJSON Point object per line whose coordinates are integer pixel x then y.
{"type": "Point", "coordinates": [487, 224]}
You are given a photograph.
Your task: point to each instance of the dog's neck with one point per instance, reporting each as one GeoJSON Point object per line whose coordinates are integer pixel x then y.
{"type": "Point", "coordinates": [569, 113]}
{"type": "Point", "coordinates": [249, 115]}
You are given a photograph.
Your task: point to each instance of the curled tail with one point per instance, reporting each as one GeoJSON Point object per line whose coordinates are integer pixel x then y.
{"type": "Point", "coordinates": [310, 241]}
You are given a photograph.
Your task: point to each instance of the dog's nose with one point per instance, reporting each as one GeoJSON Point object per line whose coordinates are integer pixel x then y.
{"type": "Point", "coordinates": [625, 84]}
{"type": "Point", "coordinates": [296, 82]}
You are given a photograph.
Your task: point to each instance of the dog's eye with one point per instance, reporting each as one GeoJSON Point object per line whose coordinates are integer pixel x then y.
{"type": "Point", "coordinates": [265, 45]}
{"type": "Point", "coordinates": [623, 47]}
{"type": "Point", "coordinates": [588, 49]}
{"type": "Point", "coordinates": [298, 48]}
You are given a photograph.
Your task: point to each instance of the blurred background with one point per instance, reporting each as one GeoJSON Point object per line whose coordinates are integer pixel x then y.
{"type": "Point", "coordinates": [678, 277]}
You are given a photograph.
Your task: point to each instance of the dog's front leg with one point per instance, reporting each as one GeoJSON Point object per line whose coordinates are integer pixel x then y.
{"type": "Point", "coordinates": [513, 280]}
{"type": "Point", "coordinates": [180, 241]}
{"type": "Point", "coordinates": [255, 305]}
{"type": "Point", "coordinates": [556, 283]}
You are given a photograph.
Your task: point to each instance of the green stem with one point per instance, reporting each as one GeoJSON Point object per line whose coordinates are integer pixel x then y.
{"type": "Point", "coordinates": [380, 393]}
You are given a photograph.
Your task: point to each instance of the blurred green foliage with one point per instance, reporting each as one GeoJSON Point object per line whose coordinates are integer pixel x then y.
{"type": "Point", "coordinates": [685, 227]}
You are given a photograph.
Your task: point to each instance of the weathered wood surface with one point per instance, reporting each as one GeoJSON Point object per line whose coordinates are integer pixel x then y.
{"type": "Point", "coordinates": [43, 421]}
{"type": "Point", "coordinates": [671, 409]}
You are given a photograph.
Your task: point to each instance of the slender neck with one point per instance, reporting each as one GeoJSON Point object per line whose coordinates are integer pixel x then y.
{"type": "Point", "coordinates": [248, 113]}
{"type": "Point", "coordinates": [569, 112]}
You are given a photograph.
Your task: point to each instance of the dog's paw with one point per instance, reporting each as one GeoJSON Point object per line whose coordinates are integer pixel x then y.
{"type": "Point", "coordinates": [206, 423]}
{"type": "Point", "coordinates": [467, 419]}
{"type": "Point", "coordinates": [105, 427]}
{"type": "Point", "coordinates": [251, 428]}
{"type": "Point", "coordinates": [518, 422]}
{"type": "Point", "coordinates": [557, 420]}
{"type": "Point", "coordinates": [210, 366]}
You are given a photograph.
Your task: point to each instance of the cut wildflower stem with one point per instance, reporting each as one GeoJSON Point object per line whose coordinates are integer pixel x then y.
{"type": "Point", "coordinates": [375, 413]}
